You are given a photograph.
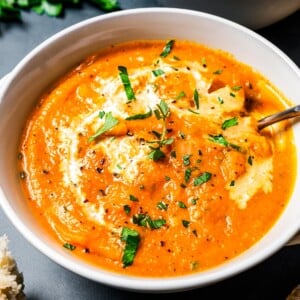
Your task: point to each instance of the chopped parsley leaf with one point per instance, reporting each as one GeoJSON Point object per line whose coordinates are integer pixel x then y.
{"type": "Point", "coordinates": [220, 99]}
{"type": "Point", "coordinates": [156, 155]}
{"type": "Point", "coordinates": [236, 88]}
{"type": "Point", "coordinates": [185, 223]}
{"type": "Point", "coordinates": [126, 83]}
{"type": "Point", "coordinates": [181, 204]}
{"type": "Point", "coordinates": [186, 159]}
{"type": "Point", "coordinates": [196, 98]}
{"type": "Point", "coordinates": [204, 177]}
{"type": "Point", "coordinates": [145, 220]}
{"type": "Point", "coordinates": [127, 209]}
{"type": "Point", "coordinates": [109, 122]}
{"type": "Point", "coordinates": [232, 183]}
{"type": "Point", "coordinates": [162, 205]}
{"type": "Point", "coordinates": [187, 174]}
{"type": "Point", "coordinates": [250, 160]}
{"type": "Point", "coordinates": [69, 246]}
{"type": "Point", "coordinates": [230, 122]}
{"type": "Point", "coordinates": [167, 49]}
{"type": "Point", "coordinates": [180, 95]}
{"type": "Point", "coordinates": [140, 116]}
{"type": "Point", "coordinates": [218, 72]}
{"type": "Point", "coordinates": [132, 239]}
{"type": "Point", "coordinates": [133, 198]}
{"type": "Point", "coordinates": [158, 72]}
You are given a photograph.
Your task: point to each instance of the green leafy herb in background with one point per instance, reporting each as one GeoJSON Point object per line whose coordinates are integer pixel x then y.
{"type": "Point", "coordinates": [10, 10]}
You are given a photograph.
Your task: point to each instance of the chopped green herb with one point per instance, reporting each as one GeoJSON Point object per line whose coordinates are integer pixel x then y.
{"type": "Point", "coordinates": [186, 159]}
{"type": "Point", "coordinates": [185, 223]}
{"type": "Point", "coordinates": [187, 174]}
{"type": "Point", "coordinates": [232, 183]}
{"type": "Point", "coordinates": [126, 83]}
{"type": "Point", "coordinates": [162, 205]}
{"type": "Point", "coordinates": [156, 155]}
{"type": "Point", "coordinates": [230, 122]}
{"type": "Point", "coordinates": [69, 246]}
{"type": "Point", "coordinates": [101, 114]}
{"type": "Point", "coordinates": [219, 139]}
{"type": "Point", "coordinates": [194, 112]}
{"type": "Point", "coordinates": [204, 177]}
{"type": "Point", "coordinates": [176, 57]}
{"type": "Point", "coordinates": [109, 122]}
{"type": "Point", "coordinates": [167, 178]}
{"type": "Point", "coordinates": [119, 167]}
{"type": "Point", "coordinates": [133, 198]}
{"type": "Point", "coordinates": [181, 134]}
{"type": "Point", "coordinates": [158, 72]}
{"type": "Point", "coordinates": [181, 204]}
{"type": "Point", "coordinates": [127, 209]}
{"type": "Point", "coordinates": [167, 49]}
{"type": "Point", "coordinates": [218, 72]}
{"type": "Point", "coordinates": [220, 99]}
{"type": "Point", "coordinates": [49, 8]}
{"type": "Point", "coordinates": [194, 201]}
{"type": "Point", "coordinates": [180, 95]}
{"type": "Point", "coordinates": [132, 239]}
{"type": "Point", "coordinates": [140, 116]}
{"type": "Point", "coordinates": [194, 265]}
{"type": "Point", "coordinates": [173, 153]}
{"type": "Point", "coordinates": [250, 160]}
{"type": "Point", "coordinates": [232, 95]}
{"type": "Point", "coordinates": [196, 98]}
{"type": "Point", "coordinates": [146, 221]}
{"type": "Point", "coordinates": [236, 88]}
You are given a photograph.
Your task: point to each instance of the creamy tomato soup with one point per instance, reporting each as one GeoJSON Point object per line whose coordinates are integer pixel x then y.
{"type": "Point", "coordinates": [146, 159]}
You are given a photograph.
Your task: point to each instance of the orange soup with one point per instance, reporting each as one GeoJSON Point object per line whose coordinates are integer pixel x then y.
{"type": "Point", "coordinates": [146, 159]}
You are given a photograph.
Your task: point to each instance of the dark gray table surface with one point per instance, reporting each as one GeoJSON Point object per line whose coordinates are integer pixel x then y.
{"type": "Point", "coordinates": [45, 280]}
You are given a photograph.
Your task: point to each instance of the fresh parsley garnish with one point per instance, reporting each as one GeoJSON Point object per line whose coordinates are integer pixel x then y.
{"type": "Point", "coordinates": [109, 123]}
{"type": "Point", "coordinates": [132, 239]}
{"type": "Point", "coordinates": [186, 159]}
{"type": "Point", "coordinates": [185, 223]}
{"type": "Point", "coordinates": [158, 72]}
{"type": "Point", "coordinates": [126, 83]}
{"type": "Point", "coordinates": [167, 49]}
{"type": "Point", "coordinates": [181, 204]}
{"type": "Point", "coordinates": [230, 122]}
{"type": "Point", "coordinates": [204, 177]}
{"type": "Point", "coordinates": [236, 87]}
{"type": "Point", "coordinates": [145, 220]}
{"type": "Point", "coordinates": [219, 139]}
{"type": "Point", "coordinates": [187, 174]}
{"type": "Point", "coordinates": [180, 95]}
{"type": "Point", "coordinates": [162, 112]}
{"type": "Point", "coordinates": [140, 116]}
{"type": "Point", "coordinates": [69, 246]}
{"type": "Point", "coordinates": [10, 10]}
{"type": "Point", "coordinates": [133, 198]}
{"type": "Point", "coordinates": [196, 98]}
{"type": "Point", "coordinates": [162, 205]}
{"type": "Point", "coordinates": [218, 72]}
{"type": "Point", "coordinates": [127, 209]}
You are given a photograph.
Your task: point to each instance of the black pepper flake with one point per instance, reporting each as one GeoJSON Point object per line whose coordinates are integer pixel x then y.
{"type": "Point", "coordinates": [162, 243]}
{"type": "Point", "coordinates": [102, 192]}
{"type": "Point", "coordinates": [45, 171]}
{"type": "Point", "coordinates": [129, 133]}
{"type": "Point", "coordinates": [99, 170]}
{"type": "Point", "coordinates": [86, 250]}
{"type": "Point", "coordinates": [102, 161]}
{"type": "Point", "coordinates": [20, 156]}
{"type": "Point", "coordinates": [22, 175]}
{"type": "Point", "coordinates": [85, 200]}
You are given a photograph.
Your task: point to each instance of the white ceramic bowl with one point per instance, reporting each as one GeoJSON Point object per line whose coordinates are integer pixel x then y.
{"type": "Point", "coordinates": [254, 14]}
{"type": "Point", "coordinates": [57, 55]}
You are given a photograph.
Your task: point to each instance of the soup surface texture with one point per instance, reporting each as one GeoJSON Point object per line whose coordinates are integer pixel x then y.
{"type": "Point", "coordinates": [146, 159]}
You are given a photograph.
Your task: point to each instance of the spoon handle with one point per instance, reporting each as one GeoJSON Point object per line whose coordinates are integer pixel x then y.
{"type": "Point", "coordinates": [286, 114]}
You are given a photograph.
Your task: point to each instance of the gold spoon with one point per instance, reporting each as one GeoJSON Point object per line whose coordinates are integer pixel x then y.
{"type": "Point", "coordinates": [283, 115]}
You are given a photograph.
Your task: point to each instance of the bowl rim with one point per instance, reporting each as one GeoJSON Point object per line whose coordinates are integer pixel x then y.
{"type": "Point", "coordinates": [168, 284]}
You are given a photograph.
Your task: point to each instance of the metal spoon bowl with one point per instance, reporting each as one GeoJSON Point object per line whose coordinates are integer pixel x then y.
{"type": "Point", "coordinates": [283, 115]}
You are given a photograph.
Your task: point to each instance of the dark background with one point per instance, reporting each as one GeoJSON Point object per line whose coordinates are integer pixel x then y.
{"type": "Point", "coordinates": [273, 279]}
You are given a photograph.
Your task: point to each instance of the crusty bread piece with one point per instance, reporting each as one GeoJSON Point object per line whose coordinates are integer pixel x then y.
{"type": "Point", "coordinates": [11, 281]}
